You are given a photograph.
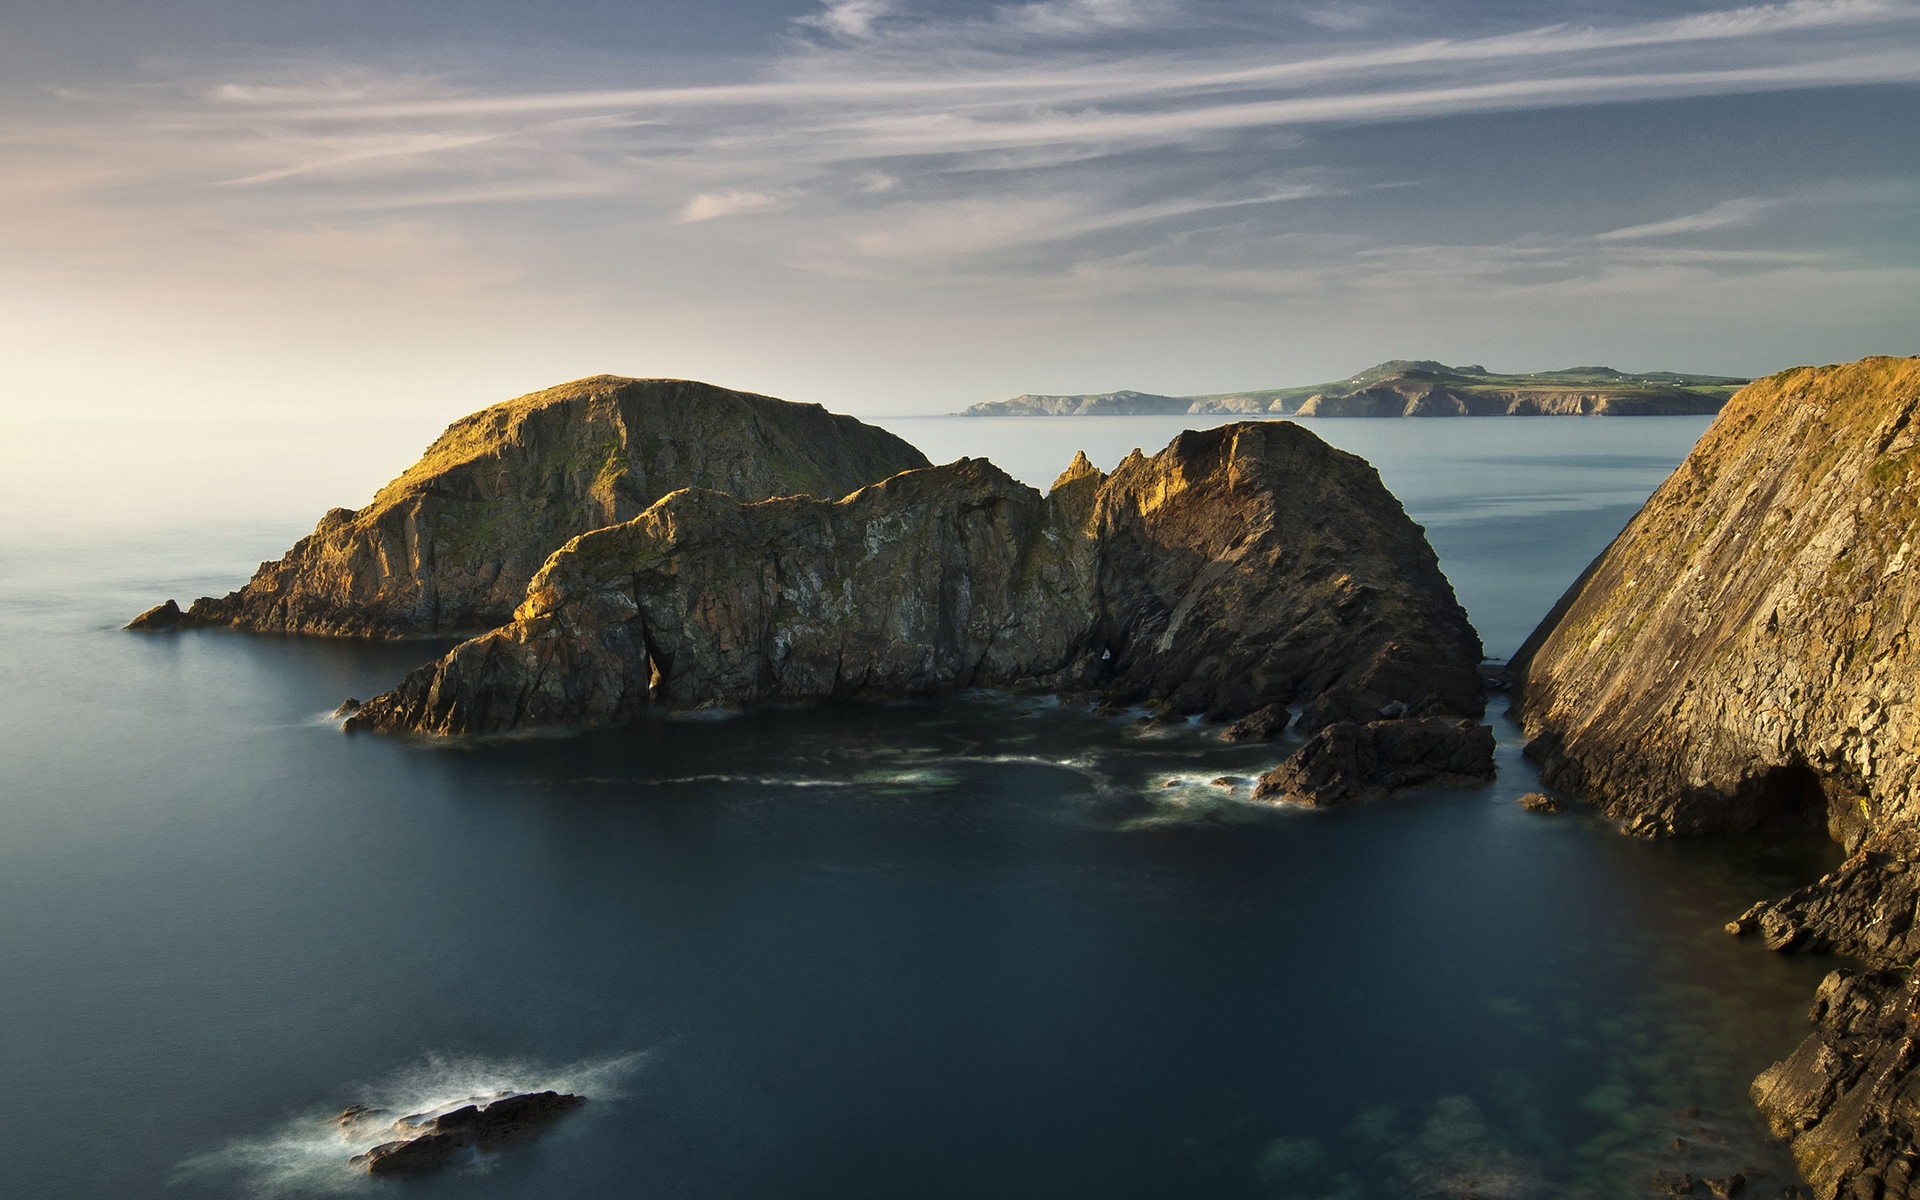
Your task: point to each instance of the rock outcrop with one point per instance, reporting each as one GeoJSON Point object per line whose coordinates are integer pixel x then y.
{"type": "Point", "coordinates": [1742, 657]}
{"type": "Point", "coordinates": [431, 1140]}
{"type": "Point", "coordinates": [1348, 761]}
{"type": "Point", "coordinates": [450, 545]}
{"type": "Point", "coordinates": [1241, 567]}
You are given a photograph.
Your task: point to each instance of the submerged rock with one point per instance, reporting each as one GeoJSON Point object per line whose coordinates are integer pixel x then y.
{"type": "Point", "coordinates": [429, 1141]}
{"type": "Point", "coordinates": [1348, 761]}
{"type": "Point", "coordinates": [1244, 566]}
{"type": "Point", "coordinates": [1742, 658]}
{"type": "Point", "coordinates": [450, 545]}
{"type": "Point", "coordinates": [1540, 802]}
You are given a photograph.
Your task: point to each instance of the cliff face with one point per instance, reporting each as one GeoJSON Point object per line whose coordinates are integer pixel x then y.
{"type": "Point", "coordinates": [1240, 567]}
{"type": "Point", "coordinates": [1742, 657]}
{"type": "Point", "coordinates": [451, 545]}
{"type": "Point", "coordinates": [1415, 397]}
{"type": "Point", "coordinates": [1741, 654]}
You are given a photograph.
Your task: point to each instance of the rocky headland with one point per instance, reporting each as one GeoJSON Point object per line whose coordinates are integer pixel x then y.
{"type": "Point", "coordinates": [450, 546]}
{"type": "Point", "coordinates": [1741, 658]}
{"type": "Point", "coordinates": [1415, 388]}
{"type": "Point", "coordinates": [1242, 569]}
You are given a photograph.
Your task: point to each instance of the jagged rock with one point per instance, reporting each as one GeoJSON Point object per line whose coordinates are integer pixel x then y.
{"type": "Point", "coordinates": [1349, 761]}
{"type": "Point", "coordinates": [161, 617]}
{"type": "Point", "coordinates": [430, 1140]}
{"type": "Point", "coordinates": [450, 545]}
{"type": "Point", "coordinates": [1244, 566]}
{"type": "Point", "coordinates": [1741, 658]}
{"type": "Point", "coordinates": [1540, 802]}
{"type": "Point", "coordinates": [347, 707]}
{"type": "Point", "coordinates": [1847, 1097]}
{"type": "Point", "coordinates": [356, 1115]}
{"type": "Point", "coordinates": [409, 1155]}
{"type": "Point", "coordinates": [1261, 725]}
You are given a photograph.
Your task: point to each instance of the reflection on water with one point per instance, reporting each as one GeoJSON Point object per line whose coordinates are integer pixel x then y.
{"type": "Point", "coordinates": [987, 947]}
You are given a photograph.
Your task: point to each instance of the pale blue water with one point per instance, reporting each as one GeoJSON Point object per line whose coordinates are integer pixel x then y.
{"type": "Point", "coordinates": [959, 950]}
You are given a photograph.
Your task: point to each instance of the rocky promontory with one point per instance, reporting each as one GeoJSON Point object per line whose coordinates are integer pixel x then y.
{"type": "Point", "coordinates": [450, 545]}
{"type": "Point", "coordinates": [1742, 657]}
{"type": "Point", "coordinates": [1242, 567]}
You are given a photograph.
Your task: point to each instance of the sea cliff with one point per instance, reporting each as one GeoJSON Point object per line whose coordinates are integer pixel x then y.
{"type": "Point", "coordinates": [1240, 569]}
{"type": "Point", "coordinates": [1742, 658]}
{"type": "Point", "coordinates": [450, 546]}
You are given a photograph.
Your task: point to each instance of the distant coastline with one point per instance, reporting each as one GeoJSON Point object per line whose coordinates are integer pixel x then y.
{"type": "Point", "coordinates": [1414, 388]}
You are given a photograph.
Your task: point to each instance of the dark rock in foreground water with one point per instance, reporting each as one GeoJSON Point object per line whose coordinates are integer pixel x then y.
{"type": "Point", "coordinates": [449, 546]}
{"type": "Point", "coordinates": [1242, 567]}
{"type": "Point", "coordinates": [1349, 761]}
{"type": "Point", "coordinates": [431, 1141]}
{"type": "Point", "coordinates": [1742, 657]}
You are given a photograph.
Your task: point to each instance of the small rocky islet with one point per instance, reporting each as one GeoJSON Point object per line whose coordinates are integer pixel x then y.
{"type": "Point", "coordinates": [1738, 660]}
{"type": "Point", "coordinates": [427, 1141]}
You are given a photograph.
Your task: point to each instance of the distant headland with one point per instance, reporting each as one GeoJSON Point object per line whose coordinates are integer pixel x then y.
{"type": "Point", "coordinates": [1415, 388]}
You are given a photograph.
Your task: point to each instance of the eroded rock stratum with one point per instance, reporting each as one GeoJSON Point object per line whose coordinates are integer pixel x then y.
{"type": "Point", "coordinates": [1241, 567]}
{"type": "Point", "coordinates": [450, 545]}
{"type": "Point", "coordinates": [1742, 657]}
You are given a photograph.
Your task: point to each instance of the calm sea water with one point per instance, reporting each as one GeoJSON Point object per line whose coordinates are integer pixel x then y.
{"type": "Point", "coordinates": [980, 948]}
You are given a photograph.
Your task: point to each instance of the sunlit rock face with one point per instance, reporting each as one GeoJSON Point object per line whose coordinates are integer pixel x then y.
{"type": "Point", "coordinates": [1240, 567]}
{"type": "Point", "coordinates": [450, 545]}
{"type": "Point", "coordinates": [1742, 657]}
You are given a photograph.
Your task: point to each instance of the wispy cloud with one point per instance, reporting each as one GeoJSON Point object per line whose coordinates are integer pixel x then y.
{"type": "Point", "coordinates": [708, 205]}
{"type": "Point", "coordinates": [1100, 146]}
{"type": "Point", "coordinates": [1724, 215]}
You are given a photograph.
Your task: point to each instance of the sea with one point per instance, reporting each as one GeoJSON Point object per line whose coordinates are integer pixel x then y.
{"type": "Point", "coordinates": [986, 947]}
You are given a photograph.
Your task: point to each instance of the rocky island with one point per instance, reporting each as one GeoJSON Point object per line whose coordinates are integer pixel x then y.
{"type": "Point", "coordinates": [1415, 388]}
{"type": "Point", "coordinates": [1742, 658]}
{"type": "Point", "coordinates": [449, 546]}
{"type": "Point", "coordinates": [426, 1141]}
{"type": "Point", "coordinates": [1240, 570]}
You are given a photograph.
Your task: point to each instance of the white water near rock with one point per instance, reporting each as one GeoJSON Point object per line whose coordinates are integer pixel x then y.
{"type": "Point", "coordinates": [310, 1154]}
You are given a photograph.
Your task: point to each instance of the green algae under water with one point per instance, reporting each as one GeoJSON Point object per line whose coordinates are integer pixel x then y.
{"type": "Point", "coordinates": [983, 947]}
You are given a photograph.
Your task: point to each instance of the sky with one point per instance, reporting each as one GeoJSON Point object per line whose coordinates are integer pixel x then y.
{"type": "Point", "coordinates": [218, 214]}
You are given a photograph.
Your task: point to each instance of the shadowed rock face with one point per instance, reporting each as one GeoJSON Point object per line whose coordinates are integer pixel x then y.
{"type": "Point", "coordinates": [450, 546]}
{"type": "Point", "coordinates": [1348, 761]}
{"type": "Point", "coordinates": [1742, 657]}
{"type": "Point", "coordinates": [1242, 566]}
